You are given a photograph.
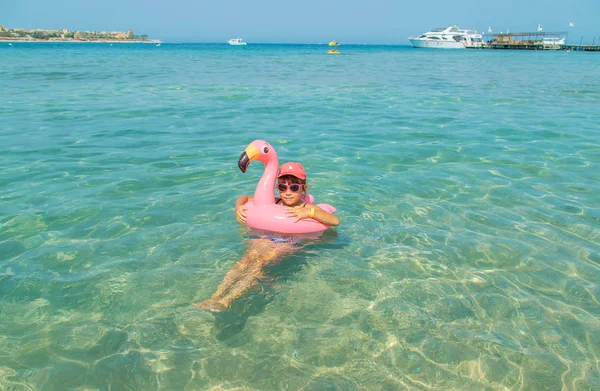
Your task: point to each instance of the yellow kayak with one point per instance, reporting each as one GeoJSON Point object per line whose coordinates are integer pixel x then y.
{"type": "Point", "coordinates": [333, 51]}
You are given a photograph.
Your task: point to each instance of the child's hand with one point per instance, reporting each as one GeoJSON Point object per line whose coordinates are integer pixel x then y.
{"type": "Point", "coordinates": [240, 213]}
{"type": "Point", "coordinates": [298, 213]}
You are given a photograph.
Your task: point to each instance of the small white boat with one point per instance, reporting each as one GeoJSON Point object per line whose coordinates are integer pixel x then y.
{"type": "Point", "coordinates": [552, 43]}
{"type": "Point", "coordinates": [236, 42]}
{"type": "Point", "coordinates": [448, 38]}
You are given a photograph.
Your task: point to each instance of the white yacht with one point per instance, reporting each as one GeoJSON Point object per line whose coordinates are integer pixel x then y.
{"type": "Point", "coordinates": [448, 38]}
{"type": "Point", "coordinates": [236, 42]}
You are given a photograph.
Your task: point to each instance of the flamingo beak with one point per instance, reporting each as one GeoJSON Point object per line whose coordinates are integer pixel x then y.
{"type": "Point", "coordinates": [250, 154]}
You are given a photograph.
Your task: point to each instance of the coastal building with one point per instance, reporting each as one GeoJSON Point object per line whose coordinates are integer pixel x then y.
{"type": "Point", "coordinates": [64, 35]}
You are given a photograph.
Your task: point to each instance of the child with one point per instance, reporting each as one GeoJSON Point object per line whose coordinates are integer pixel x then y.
{"type": "Point", "coordinates": [247, 272]}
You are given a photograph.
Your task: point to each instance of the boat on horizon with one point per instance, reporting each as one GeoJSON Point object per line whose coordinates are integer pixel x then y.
{"type": "Point", "coordinates": [334, 43]}
{"type": "Point", "coordinates": [451, 37]}
{"type": "Point", "coordinates": [236, 42]}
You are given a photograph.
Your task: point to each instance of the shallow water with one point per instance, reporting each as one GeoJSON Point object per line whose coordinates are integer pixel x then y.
{"type": "Point", "coordinates": [467, 184]}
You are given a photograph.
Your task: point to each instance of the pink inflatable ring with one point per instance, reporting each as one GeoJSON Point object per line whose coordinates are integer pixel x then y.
{"type": "Point", "coordinates": [263, 213]}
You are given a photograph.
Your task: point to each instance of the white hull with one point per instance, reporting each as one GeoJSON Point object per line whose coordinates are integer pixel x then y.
{"type": "Point", "coordinates": [236, 42]}
{"type": "Point", "coordinates": [451, 37]}
{"type": "Point", "coordinates": [552, 43]}
{"type": "Point", "coordinates": [435, 44]}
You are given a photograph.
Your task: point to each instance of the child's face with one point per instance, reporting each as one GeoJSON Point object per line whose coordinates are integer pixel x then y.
{"type": "Point", "coordinates": [290, 193]}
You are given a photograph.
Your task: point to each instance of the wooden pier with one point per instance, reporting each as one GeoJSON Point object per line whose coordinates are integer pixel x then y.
{"type": "Point", "coordinates": [527, 41]}
{"type": "Point", "coordinates": [534, 41]}
{"type": "Point", "coordinates": [581, 48]}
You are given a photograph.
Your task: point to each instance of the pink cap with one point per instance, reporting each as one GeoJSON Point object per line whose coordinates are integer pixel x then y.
{"type": "Point", "coordinates": [293, 169]}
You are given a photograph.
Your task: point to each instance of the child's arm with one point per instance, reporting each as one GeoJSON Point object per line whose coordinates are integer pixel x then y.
{"type": "Point", "coordinates": [240, 207]}
{"type": "Point", "coordinates": [317, 214]}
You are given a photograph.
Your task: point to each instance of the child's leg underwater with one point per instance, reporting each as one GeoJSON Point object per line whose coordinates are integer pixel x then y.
{"type": "Point", "coordinates": [246, 273]}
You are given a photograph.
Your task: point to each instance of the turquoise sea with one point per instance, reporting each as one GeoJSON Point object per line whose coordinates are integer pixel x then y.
{"type": "Point", "coordinates": [467, 183]}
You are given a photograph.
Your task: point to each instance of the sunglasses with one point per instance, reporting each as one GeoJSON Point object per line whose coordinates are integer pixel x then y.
{"type": "Point", "coordinates": [294, 187]}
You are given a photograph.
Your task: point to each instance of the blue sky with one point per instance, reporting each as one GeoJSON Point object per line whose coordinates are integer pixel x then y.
{"type": "Point", "coordinates": [305, 21]}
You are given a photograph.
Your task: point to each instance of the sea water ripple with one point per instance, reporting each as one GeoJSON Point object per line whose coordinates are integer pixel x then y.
{"type": "Point", "coordinates": [467, 184]}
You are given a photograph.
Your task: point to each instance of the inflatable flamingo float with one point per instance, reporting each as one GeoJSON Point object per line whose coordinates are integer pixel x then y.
{"type": "Point", "coordinates": [263, 213]}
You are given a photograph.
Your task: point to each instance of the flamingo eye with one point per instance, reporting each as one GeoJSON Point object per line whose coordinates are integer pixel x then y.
{"type": "Point", "coordinates": [266, 149]}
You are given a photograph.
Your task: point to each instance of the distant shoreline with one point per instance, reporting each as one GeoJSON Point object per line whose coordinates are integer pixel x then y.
{"type": "Point", "coordinates": [79, 41]}
{"type": "Point", "coordinates": [64, 35]}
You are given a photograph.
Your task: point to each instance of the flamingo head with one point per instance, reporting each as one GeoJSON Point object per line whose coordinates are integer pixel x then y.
{"type": "Point", "coordinates": [257, 150]}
